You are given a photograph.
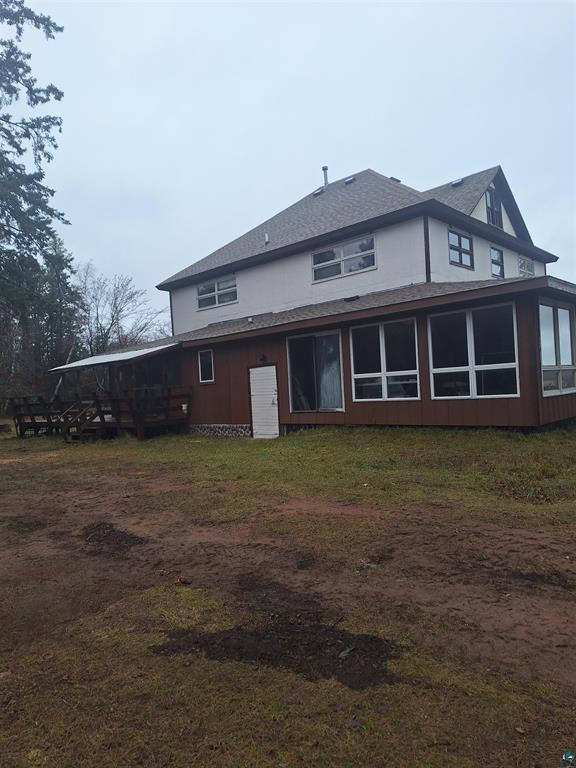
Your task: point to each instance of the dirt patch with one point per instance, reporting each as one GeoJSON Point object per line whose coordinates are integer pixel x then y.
{"type": "Point", "coordinates": [105, 539]}
{"type": "Point", "coordinates": [314, 651]}
{"type": "Point", "coordinates": [264, 594]}
{"type": "Point", "coordinates": [24, 524]}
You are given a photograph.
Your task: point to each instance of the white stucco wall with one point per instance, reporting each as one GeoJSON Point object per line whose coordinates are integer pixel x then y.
{"type": "Point", "coordinates": [442, 270]}
{"type": "Point", "coordinates": [287, 283]}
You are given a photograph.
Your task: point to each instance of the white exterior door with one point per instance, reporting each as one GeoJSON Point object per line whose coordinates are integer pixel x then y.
{"type": "Point", "coordinates": [264, 401]}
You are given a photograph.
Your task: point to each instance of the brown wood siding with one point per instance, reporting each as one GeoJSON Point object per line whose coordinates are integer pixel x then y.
{"type": "Point", "coordinates": [227, 400]}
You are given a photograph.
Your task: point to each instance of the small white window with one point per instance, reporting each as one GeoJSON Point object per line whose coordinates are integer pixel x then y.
{"type": "Point", "coordinates": [461, 249]}
{"type": "Point", "coordinates": [341, 260]}
{"type": "Point", "coordinates": [205, 366]}
{"type": "Point", "coordinates": [497, 258]}
{"type": "Point", "coordinates": [525, 267]}
{"type": "Point", "coordinates": [215, 292]}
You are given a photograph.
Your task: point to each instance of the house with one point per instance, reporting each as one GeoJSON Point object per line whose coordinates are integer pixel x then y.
{"type": "Point", "coordinates": [370, 302]}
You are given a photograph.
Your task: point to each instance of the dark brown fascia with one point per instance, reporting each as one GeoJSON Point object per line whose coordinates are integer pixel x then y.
{"type": "Point", "coordinates": [461, 297]}
{"type": "Point", "coordinates": [433, 208]}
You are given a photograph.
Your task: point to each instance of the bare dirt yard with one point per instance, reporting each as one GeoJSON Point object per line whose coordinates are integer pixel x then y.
{"type": "Point", "coordinates": [373, 598]}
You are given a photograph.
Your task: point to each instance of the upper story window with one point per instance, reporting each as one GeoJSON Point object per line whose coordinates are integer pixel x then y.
{"type": "Point", "coordinates": [346, 259]}
{"type": "Point", "coordinates": [525, 267]}
{"type": "Point", "coordinates": [557, 349]}
{"type": "Point", "coordinates": [497, 259]}
{"type": "Point", "coordinates": [473, 353]}
{"type": "Point", "coordinates": [461, 250]}
{"type": "Point", "coordinates": [493, 207]}
{"type": "Point", "coordinates": [217, 292]}
{"type": "Point", "coordinates": [385, 361]}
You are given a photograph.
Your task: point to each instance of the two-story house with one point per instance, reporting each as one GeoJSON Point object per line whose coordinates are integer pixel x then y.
{"type": "Point", "coordinates": [369, 302]}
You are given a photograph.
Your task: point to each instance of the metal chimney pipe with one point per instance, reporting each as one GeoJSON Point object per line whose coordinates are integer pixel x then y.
{"type": "Point", "coordinates": [325, 172]}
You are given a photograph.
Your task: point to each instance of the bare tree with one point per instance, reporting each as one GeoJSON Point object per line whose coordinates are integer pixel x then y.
{"type": "Point", "coordinates": [116, 313]}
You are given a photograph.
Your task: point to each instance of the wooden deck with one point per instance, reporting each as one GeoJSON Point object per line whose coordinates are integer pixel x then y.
{"type": "Point", "coordinates": [142, 412]}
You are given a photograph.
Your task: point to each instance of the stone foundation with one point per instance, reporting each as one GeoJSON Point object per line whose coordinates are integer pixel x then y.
{"type": "Point", "coordinates": [221, 430]}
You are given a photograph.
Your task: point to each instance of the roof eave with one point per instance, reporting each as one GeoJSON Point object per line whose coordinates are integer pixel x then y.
{"type": "Point", "coordinates": [427, 207]}
{"type": "Point", "coordinates": [341, 318]}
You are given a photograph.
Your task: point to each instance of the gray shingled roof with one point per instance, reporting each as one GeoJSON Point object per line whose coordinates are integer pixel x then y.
{"type": "Point", "coordinates": [338, 206]}
{"type": "Point", "coordinates": [326, 309]}
{"type": "Point", "coordinates": [465, 195]}
{"type": "Point", "coordinates": [378, 300]}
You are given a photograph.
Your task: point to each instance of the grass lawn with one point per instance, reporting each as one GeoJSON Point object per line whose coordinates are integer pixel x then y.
{"type": "Point", "coordinates": [338, 598]}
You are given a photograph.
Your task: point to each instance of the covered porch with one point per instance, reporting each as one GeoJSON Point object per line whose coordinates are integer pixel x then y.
{"type": "Point", "coordinates": [136, 392]}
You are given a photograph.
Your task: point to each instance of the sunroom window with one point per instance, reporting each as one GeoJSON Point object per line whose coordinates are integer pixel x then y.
{"type": "Point", "coordinates": [473, 353]}
{"type": "Point", "coordinates": [346, 259]}
{"type": "Point", "coordinates": [384, 361]}
{"type": "Point", "coordinates": [217, 292]}
{"type": "Point", "coordinates": [315, 372]}
{"type": "Point", "coordinates": [557, 349]}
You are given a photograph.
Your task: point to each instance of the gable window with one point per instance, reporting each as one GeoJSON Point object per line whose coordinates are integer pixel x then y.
{"type": "Point", "coordinates": [315, 372]}
{"type": "Point", "coordinates": [461, 250]}
{"type": "Point", "coordinates": [205, 366]}
{"type": "Point", "coordinates": [493, 207]}
{"type": "Point", "coordinates": [473, 353]}
{"type": "Point", "coordinates": [526, 267]}
{"type": "Point", "coordinates": [497, 259]}
{"type": "Point", "coordinates": [384, 361]}
{"type": "Point", "coordinates": [217, 292]}
{"type": "Point", "coordinates": [341, 260]}
{"type": "Point", "coordinates": [557, 349]}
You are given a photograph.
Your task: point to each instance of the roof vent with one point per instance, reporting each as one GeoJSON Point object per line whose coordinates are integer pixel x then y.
{"type": "Point", "coordinates": [318, 191]}
{"type": "Point", "coordinates": [266, 238]}
{"type": "Point", "coordinates": [351, 298]}
{"type": "Point", "coordinates": [456, 183]}
{"type": "Point", "coordinates": [349, 180]}
{"type": "Point", "coordinates": [393, 178]}
{"type": "Point", "coordinates": [325, 172]}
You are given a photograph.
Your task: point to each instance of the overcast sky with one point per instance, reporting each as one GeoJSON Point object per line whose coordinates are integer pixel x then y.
{"type": "Point", "coordinates": [187, 124]}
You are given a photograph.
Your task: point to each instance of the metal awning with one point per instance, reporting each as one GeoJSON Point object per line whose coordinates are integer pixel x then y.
{"type": "Point", "coordinates": [115, 357]}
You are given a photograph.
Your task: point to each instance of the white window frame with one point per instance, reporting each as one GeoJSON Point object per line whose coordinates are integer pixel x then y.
{"type": "Point", "coordinates": [343, 259]}
{"type": "Point", "coordinates": [200, 379]}
{"type": "Point", "coordinates": [525, 272]}
{"type": "Point", "coordinates": [500, 250]}
{"type": "Point", "coordinates": [472, 368]}
{"type": "Point", "coordinates": [384, 373]}
{"type": "Point", "coordinates": [216, 293]}
{"type": "Point", "coordinates": [557, 368]}
{"type": "Point", "coordinates": [288, 368]}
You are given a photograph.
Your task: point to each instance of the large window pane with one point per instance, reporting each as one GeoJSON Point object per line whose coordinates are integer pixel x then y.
{"type": "Point", "coordinates": [206, 365]}
{"type": "Point", "coordinates": [568, 379]}
{"type": "Point", "coordinates": [548, 346]}
{"type": "Point", "coordinates": [302, 373]}
{"type": "Point", "coordinates": [323, 257]}
{"type": "Point", "coordinates": [358, 246]}
{"type": "Point", "coordinates": [452, 384]}
{"type": "Point", "coordinates": [551, 382]}
{"type": "Point", "coordinates": [449, 340]}
{"type": "Point", "coordinates": [498, 382]}
{"type": "Point", "coordinates": [329, 380]}
{"type": "Point", "coordinates": [323, 273]}
{"type": "Point", "coordinates": [402, 386]}
{"type": "Point", "coordinates": [494, 336]}
{"type": "Point", "coordinates": [369, 388]}
{"type": "Point", "coordinates": [226, 298]}
{"type": "Point", "coordinates": [366, 349]}
{"type": "Point", "coordinates": [207, 301]}
{"type": "Point", "coordinates": [359, 262]}
{"type": "Point", "coordinates": [565, 337]}
{"type": "Point", "coordinates": [206, 288]}
{"type": "Point", "coordinates": [400, 341]}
